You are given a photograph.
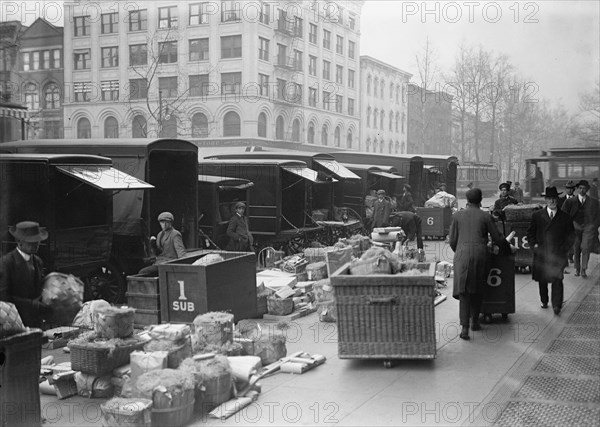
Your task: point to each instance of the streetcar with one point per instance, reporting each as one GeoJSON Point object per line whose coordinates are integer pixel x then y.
{"type": "Point", "coordinates": [485, 176]}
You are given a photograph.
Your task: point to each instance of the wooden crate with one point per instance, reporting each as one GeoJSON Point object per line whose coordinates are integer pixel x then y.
{"type": "Point", "coordinates": [146, 317]}
{"type": "Point", "coordinates": [188, 290]}
{"type": "Point", "coordinates": [142, 285]}
{"type": "Point", "coordinates": [143, 301]}
{"type": "Point", "coordinates": [385, 316]}
{"type": "Point", "coordinates": [435, 222]}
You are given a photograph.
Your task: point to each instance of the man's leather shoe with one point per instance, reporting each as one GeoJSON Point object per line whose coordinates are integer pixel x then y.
{"type": "Point", "coordinates": [557, 311]}
{"type": "Point", "coordinates": [583, 274]}
{"type": "Point", "coordinates": [577, 273]}
{"type": "Point", "coordinates": [544, 305]}
{"type": "Point", "coordinates": [465, 333]}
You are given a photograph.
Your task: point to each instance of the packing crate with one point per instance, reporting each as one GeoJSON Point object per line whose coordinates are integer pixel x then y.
{"type": "Point", "coordinates": [143, 318]}
{"type": "Point", "coordinates": [142, 285]}
{"type": "Point", "coordinates": [524, 254]}
{"type": "Point", "coordinates": [435, 222]}
{"type": "Point", "coordinates": [385, 316]}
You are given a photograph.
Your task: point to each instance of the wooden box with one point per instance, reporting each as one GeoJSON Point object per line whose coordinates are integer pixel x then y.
{"type": "Point", "coordinates": [143, 318]}
{"type": "Point", "coordinates": [524, 254]}
{"type": "Point", "coordinates": [385, 316]}
{"type": "Point", "coordinates": [143, 301]}
{"type": "Point", "coordinates": [142, 285]}
{"type": "Point", "coordinates": [187, 290]}
{"type": "Point", "coordinates": [435, 222]}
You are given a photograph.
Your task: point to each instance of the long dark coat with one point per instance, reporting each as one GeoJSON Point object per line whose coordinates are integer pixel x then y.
{"type": "Point", "coordinates": [586, 219]}
{"type": "Point", "coordinates": [554, 238]}
{"type": "Point", "coordinates": [240, 238]}
{"type": "Point", "coordinates": [468, 239]}
{"type": "Point", "coordinates": [21, 286]}
{"type": "Point", "coordinates": [381, 213]}
{"type": "Point", "coordinates": [410, 223]}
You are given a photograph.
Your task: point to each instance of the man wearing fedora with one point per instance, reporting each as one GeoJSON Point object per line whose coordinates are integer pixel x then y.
{"type": "Point", "coordinates": [569, 193]}
{"type": "Point", "coordinates": [240, 238]}
{"type": "Point", "coordinates": [167, 245]}
{"type": "Point", "coordinates": [382, 208]}
{"type": "Point", "coordinates": [21, 274]}
{"type": "Point", "coordinates": [584, 212]}
{"type": "Point", "coordinates": [550, 236]}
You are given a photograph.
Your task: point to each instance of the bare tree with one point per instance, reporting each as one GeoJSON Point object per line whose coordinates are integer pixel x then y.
{"type": "Point", "coordinates": [587, 123]}
{"type": "Point", "coordinates": [499, 75]}
{"type": "Point", "coordinates": [457, 80]}
{"type": "Point", "coordinates": [428, 72]}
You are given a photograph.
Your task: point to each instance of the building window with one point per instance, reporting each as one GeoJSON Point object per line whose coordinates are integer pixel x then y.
{"type": "Point", "coordinates": [168, 127]}
{"type": "Point", "coordinates": [368, 144]}
{"type": "Point", "coordinates": [83, 91]}
{"type": "Point", "coordinates": [312, 96]}
{"type": "Point", "coordinates": [279, 131]}
{"type": "Point", "coordinates": [199, 50]}
{"type": "Point", "coordinates": [52, 129]}
{"type": "Point", "coordinates": [327, 39]}
{"type": "Point", "coordinates": [56, 54]}
{"type": "Point", "coordinates": [110, 57]}
{"type": "Point", "coordinates": [199, 125]}
{"type": "Point", "coordinates": [138, 88]}
{"type": "Point", "coordinates": [381, 89]}
{"type": "Point", "coordinates": [375, 117]}
{"type": "Point", "coordinates": [326, 70]}
{"type": "Point", "coordinates": [167, 17]}
{"type": "Point", "coordinates": [351, 79]}
{"type": "Point", "coordinates": [369, 117]}
{"type": "Point", "coordinates": [231, 47]}
{"type": "Point", "coordinates": [230, 11]}
{"type": "Point", "coordinates": [351, 49]}
{"type": "Point", "coordinates": [296, 131]}
{"type": "Point", "coordinates": [82, 59]}
{"type": "Point", "coordinates": [311, 134]}
{"type": "Point", "coordinates": [84, 129]}
{"type": "Point", "coordinates": [282, 55]}
{"type": "Point", "coordinates": [32, 99]}
{"type": "Point", "coordinates": [198, 14]}
{"type": "Point", "coordinates": [298, 29]}
{"type": "Point", "coordinates": [349, 139]}
{"type": "Point", "coordinates": [35, 63]}
{"type": "Point", "coordinates": [110, 90]}
{"type": "Point", "coordinates": [337, 137]}
{"type": "Point", "coordinates": [25, 61]}
{"type": "Point", "coordinates": [263, 80]}
{"type": "Point", "coordinates": [111, 128]}
{"type": "Point", "coordinates": [397, 122]}
{"type": "Point", "coordinates": [265, 14]}
{"type": "Point", "coordinates": [391, 121]}
{"type": "Point", "coordinates": [298, 63]}
{"type": "Point", "coordinates": [382, 118]}
{"type": "Point", "coordinates": [312, 65]}
{"type": "Point", "coordinates": [350, 107]}
{"type": "Point", "coordinates": [199, 85]}
{"type": "Point", "coordinates": [281, 85]}
{"type": "Point", "coordinates": [110, 22]}
{"type": "Point", "coordinates": [167, 87]}
{"type": "Point", "coordinates": [391, 91]}
{"type": "Point", "coordinates": [369, 85]}
{"type": "Point", "coordinates": [52, 96]}
{"type": "Point", "coordinates": [312, 33]}
{"type": "Point", "coordinates": [231, 124]}
{"type": "Point", "coordinates": [339, 74]}
{"type": "Point", "coordinates": [326, 100]}
{"type": "Point", "coordinates": [81, 25]}
{"type": "Point", "coordinates": [324, 135]}
{"type": "Point", "coordinates": [138, 20]}
{"type": "Point", "coordinates": [339, 45]}
{"type": "Point", "coordinates": [398, 94]}
{"type": "Point", "coordinates": [167, 52]}
{"type": "Point", "coordinates": [138, 54]}
{"type": "Point", "coordinates": [262, 125]}
{"type": "Point", "coordinates": [139, 127]}
{"type": "Point", "coordinates": [339, 102]}
{"type": "Point", "coordinates": [403, 121]}
{"type": "Point", "coordinates": [46, 60]}
{"type": "Point", "coordinates": [351, 21]}
{"type": "Point", "coordinates": [375, 86]}
{"type": "Point", "coordinates": [263, 49]}
{"type": "Point", "coordinates": [231, 83]}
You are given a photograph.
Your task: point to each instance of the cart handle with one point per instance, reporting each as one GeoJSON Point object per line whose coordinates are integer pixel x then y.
{"type": "Point", "coordinates": [381, 300]}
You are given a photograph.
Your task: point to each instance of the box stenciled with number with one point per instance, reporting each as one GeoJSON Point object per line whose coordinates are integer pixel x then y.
{"type": "Point", "coordinates": [187, 290]}
{"type": "Point", "coordinates": [435, 222]}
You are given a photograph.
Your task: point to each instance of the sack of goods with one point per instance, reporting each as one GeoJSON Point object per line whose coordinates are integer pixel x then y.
{"type": "Point", "coordinates": [86, 317]}
{"type": "Point", "coordinates": [114, 322]}
{"type": "Point", "coordinates": [174, 339]}
{"type": "Point", "coordinates": [441, 200]}
{"type": "Point", "coordinates": [212, 378]}
{"type": "Point", "coordinates": [209, 259]}
{"type": "Point", "coordinates": [64, 294]}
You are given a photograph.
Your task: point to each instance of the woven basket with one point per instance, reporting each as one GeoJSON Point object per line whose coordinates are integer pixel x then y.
{"type": "Point", "coordinates": [520, 213]}
{"type": "Point", "coordinates": [126, 412]}
{"type": "Point", "coordinates": [217, 331]}
{"type": "Point", "coordinates": [316, 270]}
{"type": "Point", "coordinates": [175, 416]}
{"type": "Point", "coordinates": [364, 267]}
{"type": "Point", "coordinates": [280, 306]}
{"type": "Point", "coordinates": [216, 391]}
{"type": "Point", "coordinates": [91, 359]}
{"type": "Point", "coordinates": [179, 353]}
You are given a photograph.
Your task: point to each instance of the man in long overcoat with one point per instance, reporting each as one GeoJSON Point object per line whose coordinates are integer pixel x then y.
{"type": "Point", "coordinates": [468, 237]}
{"type": "Point", "coordinates": [240, 238]}
{"type": "Point", "coordinates": [550, 236]}
{"type": "Point", "coordinates": [381, 210]}
{"type": "Point", "coordinates": [584, 212]}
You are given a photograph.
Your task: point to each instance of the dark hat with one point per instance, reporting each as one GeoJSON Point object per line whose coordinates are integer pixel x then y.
{"type": "Point", "coordinates": [470, 184]}
{"type": "Point", "coordinates": [584, 183]}
{"type": "Point", "coordinates": [166, 216]}
{"type": "Point", "coordinates": [570, 184]}
{"type": "Point", "coordinates": [504, 185]}
{"type": "Point", "coordinates": [509, 182]}
{"type": "Point", "coordinates": [551, 192]}
{"type": "Point", "coordinates": [240, 204]}
{"type": "Point", "coordinates": [517, 183]}
{"type": "Point", "coordinates": [381, 192]}
{"type": "Point", "coordinates": [408, 187]}
{"type": "Point", "coordinates": [28, 231]}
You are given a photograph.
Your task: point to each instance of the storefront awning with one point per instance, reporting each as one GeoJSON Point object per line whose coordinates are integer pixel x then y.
{"type": "Point", "coordinates": [337, 169]}
{"type": "Point", "coordinates": [104, 177]}
{"type": "Point", "coordinates": [306, 173]}
{"type": "Point", "coordinates": [386, 174]}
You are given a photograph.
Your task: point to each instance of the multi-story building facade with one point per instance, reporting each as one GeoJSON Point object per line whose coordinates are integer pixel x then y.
{"type": "Point", "coordinates": [275, 70]}
{"type": "Point", "coordinates": [429, 121]}
{"type": "Point", "coordinates": [383, 107]}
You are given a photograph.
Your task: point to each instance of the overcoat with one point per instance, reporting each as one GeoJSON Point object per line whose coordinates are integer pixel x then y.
{"type": "Point", "coordinates": [410, 223]}
{"type": "Point", "coordinates": [554, 238]}
{"type": "Point", "coordinates": [21, 286]}
{"type": "Point", "coordinates": [169, 246]}
{"type": "Point", "coordinates": [585, 218]}
{"type": "Point", "coordinates": [468, 239]}
{"type": "Point", "coordinates": [240, 238]}
{"type": "Point", "coordinates": [381, 213]}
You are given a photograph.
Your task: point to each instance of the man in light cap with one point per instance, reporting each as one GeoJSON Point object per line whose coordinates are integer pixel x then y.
{"type": "Point", "coordinates": [381, 210]}
{"type": "Point", "coordinates": [21, 274]}
{"type": "Point", "coordinates": [167, 245]}
{"type": "Point", "coordinates": [240, 238]}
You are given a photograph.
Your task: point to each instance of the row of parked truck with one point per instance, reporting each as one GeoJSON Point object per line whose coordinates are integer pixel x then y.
{"type": "Point", "coordinates": [100, 199]}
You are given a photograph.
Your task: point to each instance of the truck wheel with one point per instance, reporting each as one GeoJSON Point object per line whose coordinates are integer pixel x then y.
{"type": "Point", "coordinates": [107, 283]}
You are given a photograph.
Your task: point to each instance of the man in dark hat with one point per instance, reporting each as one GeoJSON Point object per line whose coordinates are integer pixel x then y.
{"type": "Point", "coordinates": [240, 238]}
{"type": "Point", "coordinates": [569, 190]}
{"type": "Point", "coordinates": [381, 210]}
{"type": "Point", "coordinates": [406, 202]}
{"type": "Point", "coordinates": [168, 244]}
{"type": "Point", "coordinates": [550, 236]}
{"type": "Point", "coordinates": [584, 212]}
{"type": "Point", "coordinates": [21, 274]}
{"type": "Point", "coordinates": [504, 200]}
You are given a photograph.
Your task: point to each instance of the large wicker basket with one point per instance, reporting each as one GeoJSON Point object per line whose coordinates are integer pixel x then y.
{"type": "Point", "coordinates": [385, 316]}
{"type": "Point", "coordinates": [93, 359]}
{"type": "Point", "coordinates": [520, 213]}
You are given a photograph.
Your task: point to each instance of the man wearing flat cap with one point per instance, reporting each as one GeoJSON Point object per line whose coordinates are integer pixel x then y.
{"type": "Point", "coordinates": [382, 208]}
{"type": "Point", "coordinates": [584, 213]}
{"type": "Point", "coordinates": [504, 200]}
{"type": "Point", "coordinates": [550, 236]}
{"type": "Point", "coordinates": [21, 274]}
{"type": "Point", "coordinates": [240, 239]}
{"type": "Point", "coordinates": [167, 245]}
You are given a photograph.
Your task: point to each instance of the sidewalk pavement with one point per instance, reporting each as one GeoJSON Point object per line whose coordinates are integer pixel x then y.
{"type": "Point", "coordinates": [536, 368]}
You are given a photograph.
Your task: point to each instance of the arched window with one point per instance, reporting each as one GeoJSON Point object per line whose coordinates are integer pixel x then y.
{"type": "Point", "coordinates": [296, 131]}
{"type": "Point", "coordinates": [375, 86]}
{"type": "Point", "coordinates": [381, 144]}
{"type": "Point", "coordinates": [32, 100]}
{"type": "Point", "coordinates": [403, 120]}
{"type": "Point", "coordinates": [368, 147]}
{"type": "Point", "coordinates": [391, 145]}
{"type": "Point", "coordinates": [391, 121]}
{"type": "Point", "coordinates": [262, 125]}
{"type": "Point", "coordinates": [337, 136]}
{"type": "Point", "coordinates": [199, 126]}
{"type": "Point", "coordinates": [52, 96]}
{"type": "Point", "coordinates": [231, 124]}
{"type": "Point", "coordinates": [169, 127]}
{"type": "Point", "coordinates": [397, 146]}
{"type": "Point", "coordinates": [375, 144]}
{"type": "Point", "coordinates": [349, 139]}
{"type": "Point", "coordinates": [392, 91]}
{"type": "Point", "coordinates": [375, 116]}
{"type": "Point", "coordinates": [111, 127]}
{"type": "Point", "coordinates": [84, 129]}
{"type": "Point", "coordinates": [369, 117]}
{"type": "Point", "coordinates": [397, 122]}
{"type": "Point", "coordinates": [279, 128]}
{"type": "Point", "coordinates": [369, 84]}
{"type": "Point", "coordinates": [324, 135]}
{"type": "Point", "coordinates": [382, 119]}
{"type": "Point", "coordinates": [403, 147]}
{"type": "Point", "coordinates": [397, 94]}
{"type": "Point", "coordinates": [311, 133]}
{"type": "Point", "coordinates": [381, 89]}
{"type": "Point", "coordinates": [139, 127]}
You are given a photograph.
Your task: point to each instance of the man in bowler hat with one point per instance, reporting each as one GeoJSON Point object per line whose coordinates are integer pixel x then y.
{"type": "Point", "coordinates": [21, 274]}
{"type": "Point", "coordinates": [550, 236]}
